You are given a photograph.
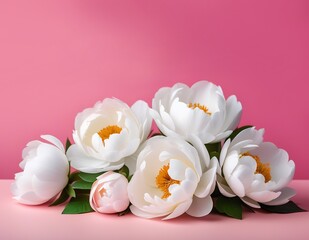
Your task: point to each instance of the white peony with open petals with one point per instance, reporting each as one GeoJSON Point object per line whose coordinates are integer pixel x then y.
{"type": "Point", "coordinates": [255, 171]}
{"type": "Point", "coordinates": [45, 172]}
{"type": "Point", "coordinates": [170, 179]}
{"type": "Point", "coordinates": [107, 133]}
{"type": "Point", "coordinates": [200, 110]}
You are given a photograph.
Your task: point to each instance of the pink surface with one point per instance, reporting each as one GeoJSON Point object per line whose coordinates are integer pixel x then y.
{"type": "Point", "coordinates": [59, 57]}
{"type": "Point", "coordinates": [41, 222]}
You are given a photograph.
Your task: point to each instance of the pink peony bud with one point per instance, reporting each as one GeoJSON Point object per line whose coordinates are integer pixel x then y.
{"type": "Point", "coordinates": [109, 193]}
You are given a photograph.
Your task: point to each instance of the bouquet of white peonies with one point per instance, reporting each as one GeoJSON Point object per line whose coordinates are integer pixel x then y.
{"type": "Point", "coordinates": [199, 161]}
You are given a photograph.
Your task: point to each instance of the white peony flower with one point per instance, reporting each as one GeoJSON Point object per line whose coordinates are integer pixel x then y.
{"type": "Point", "coordinates": [170, 180]}
{"type": "Point", "coordinates": [45, 172]}
{"type": "Point", "coordinates": [107, 133]}
{"type": "Point", "coordinates": [200, 110]}
{"type": "Point", "coordinates": [254, 170]}
{"type": "Point", "coordinates": [109, 193]}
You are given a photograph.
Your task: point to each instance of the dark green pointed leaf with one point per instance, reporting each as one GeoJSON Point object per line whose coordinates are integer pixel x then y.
{"type": "Point", "coordinates": [78, 205]}
{"type": "Point", "coordinates": [70, 191]}
{"type": "Point", "coordinates": [289, 207]}
{"type": "Point", "coordinates": [61, 199]}
{"type": "Point", "coordinates": [67, 144]}
{"type": "Point", "coordinates": [89, 177]}
{"type": "Point", "coordinates": [124, 171]}
{"type": "Point", "coordinates": [238, 130]}
{"type": "Point", "coordinates": [229, 206]}
{"type": "Point", "coordinates": [80, 184]}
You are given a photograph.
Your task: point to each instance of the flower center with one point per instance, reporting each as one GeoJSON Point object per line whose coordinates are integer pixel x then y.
{"type": "Point", "coordinates": [164, 181]}
{"type": "Point", "coordinates": [261, 168]}
{"type": "Point", "coordinates": [200, 106]}
{"type": "Point", "coordinates": [105, 133]}
{"type": "Point", "coordinates": [102, 192]}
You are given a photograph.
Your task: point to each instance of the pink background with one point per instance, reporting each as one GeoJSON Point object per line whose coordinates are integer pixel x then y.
{"type": "Point", "coordinates": [59, 57]}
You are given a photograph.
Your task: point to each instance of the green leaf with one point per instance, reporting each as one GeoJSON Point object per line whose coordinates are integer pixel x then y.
{"type": "Point", "coordinates": [61, 199]}
{"type": "Point", "coordinates": [89, 177]}
{"type": "Point", "coordinates": [238, 130]}
{"type": "Point", "coordinates": [78, 205]}
{"type": "Point", "coordinates": [229, 206]}
{"type": "Point", "coordinates": [124, 171]}
{"type": "Point", "coordinates": [80, 184]}
{"type": "Point", "coordinates": [74, 177]}
{"type": "Point", "coordinates": [70, 191]}
{"type": "Point", "coordinates": [216, 193]}
{"type": "Point", "coordinates": [213, 147]}
{"type": "Point", "coordinates": [214, 154]}
{"type": "Point", "coordinates": [289, 207]}
{"type": "Point", "coordinates": [67, 144]}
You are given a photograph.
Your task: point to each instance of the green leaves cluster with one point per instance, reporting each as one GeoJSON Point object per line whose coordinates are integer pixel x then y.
{"type": "Point", "coordinates": [77, 193]}
{"type": "Point", "coordinates": [233, 207]}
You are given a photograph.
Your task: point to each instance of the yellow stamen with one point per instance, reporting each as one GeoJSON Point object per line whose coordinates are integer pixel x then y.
{"type": "Point", "coordinates": [164, 181]}
{"type": "Point", "coordinates": [261, 168]}
{"type": "Point", "coordinates": [201, 107]}
{"type": "Point", "coordinates": [105, 133]}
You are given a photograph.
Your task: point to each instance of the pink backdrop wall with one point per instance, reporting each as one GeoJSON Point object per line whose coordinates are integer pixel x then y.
{"type": "Point", "coordinates": [59, 57]}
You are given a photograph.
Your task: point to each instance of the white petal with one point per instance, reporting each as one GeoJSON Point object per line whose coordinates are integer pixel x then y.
{"type": "Point", "coordinates": [286, 194]}
{"type": "Point", "coordinates": [202, 151]}
{"type": "Point", "coordinates": [140, 213]}
{"type": "Point", "coordinates": [236, 185]}
{"type": "Point", "coordinates": [97, 143]}
{"type": "Point", "coordinates": [166, 128]}
{"type": "Point", "coordinates": [179, 210]}
{"type": "Point", "coordinates": [250, 202]}
{"type": "Point", "coordinates": [177, 170]}
{"type": "Point", "coordinates": [221, 136]}
{"type": "Point", "coordinates": [263, 196]}
{"type": "Point", "coordinates": [141, 110]}
{"type": "Point", "coordinates": [230, 163]}
{"type": "Point", "coordinates": [30, 198]}
{"type": "Point", "coordinates": [207, 183]}
{"type": "Point", "coordinates": [47, 190]}
{"type": "Point", "coordinates": [233, 113]}
{"type": "Point", "coordinates": [48, 164]}
{"type": "Point", "coordinates": [207, 93]}
{"type": "Point", "coordinates": [166, 118]}
{"type": "Point", "coordinates": [54, 141]}
{"type": "Point", "coordinates": [282, 169]}
{"type": "Point", "coordinates": [200, 207]}
{"type": "Point", "coordinates": [224, 188]}
{"type": "Point", "coordinates": [247, 136]}
{"type": "Point", "coordinates": [242, 176]}
{"type": "Point", "coordinates": [183, 123]}
{"type": "Point", "coordinates": [80, 161]}
{"type": "Point", "coordinates": [224, 151]}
